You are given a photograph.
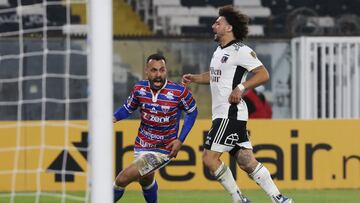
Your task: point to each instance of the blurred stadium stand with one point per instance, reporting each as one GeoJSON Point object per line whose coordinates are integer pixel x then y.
{"type": "Point", "coordinates": [128, 22]}
{"type": "Point", "coordinates": [187, 17]}
{"type": "Point", "coordinates": [31, 12]}
{"type": "Point", "coordinates": [268, 17]}
{"type": "Point", "coordinates": [271, 18]}
{"type": "Point", "coordinates": [125, 20]}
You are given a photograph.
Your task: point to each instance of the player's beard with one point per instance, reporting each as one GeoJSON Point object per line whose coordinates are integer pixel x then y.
{"type": "Point", "coordinates": [216, 37]}
{"type": "Point", "coordinates": [157, 80]}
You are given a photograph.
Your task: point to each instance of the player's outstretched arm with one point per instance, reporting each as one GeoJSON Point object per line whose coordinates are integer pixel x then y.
{"type": "Point", "coordinates": [121, 113]}
{"type": "Point", "coordinates": [202, 78]}
{"type": "Point", "coordinates": [189, 121]}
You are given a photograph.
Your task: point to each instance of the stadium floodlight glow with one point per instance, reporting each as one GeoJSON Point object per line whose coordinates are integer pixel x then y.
{"type": "Point", "coordinates": [101, 89]}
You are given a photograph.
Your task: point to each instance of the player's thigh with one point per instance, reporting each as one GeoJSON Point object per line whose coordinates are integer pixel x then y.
{"type": "Point", "coordinates": [209, 155]}
{"type": "Point", "coordinates": [147, 179]}
{"type": "Point", "coordinates": [246, 159]}
{"type": "Point", "coordinates": [211, 159]}
{"type": "Point", "coordinates": [128, 175]}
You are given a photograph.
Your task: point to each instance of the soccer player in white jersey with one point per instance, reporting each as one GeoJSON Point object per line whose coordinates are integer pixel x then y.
{"type": "Point", "coordinates": [229, 66]}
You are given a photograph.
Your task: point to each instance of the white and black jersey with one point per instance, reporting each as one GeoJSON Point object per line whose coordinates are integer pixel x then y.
{"type": "Point", "coordinates": [228, 68]}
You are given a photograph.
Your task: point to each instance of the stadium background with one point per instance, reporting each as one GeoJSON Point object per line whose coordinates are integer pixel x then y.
{"type": "Point", "coordinates": [301, 154]}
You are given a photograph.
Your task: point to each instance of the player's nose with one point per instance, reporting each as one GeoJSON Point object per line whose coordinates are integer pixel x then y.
{"type": "Point", "coordinates": [157, 74]}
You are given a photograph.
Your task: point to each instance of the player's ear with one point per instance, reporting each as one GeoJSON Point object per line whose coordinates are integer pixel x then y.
{"type": "Point", "coordinates": [229, 28]}
{"type": "Point", "coordinates": [146, 67]}
{"type": "Point", "coordinates": [146, 70]}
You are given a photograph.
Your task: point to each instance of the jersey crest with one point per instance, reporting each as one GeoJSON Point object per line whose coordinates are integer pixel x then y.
{"type": "Point", "coordinates": [165, 109]}
{"type": "Point", "coordinates": [225, 58]}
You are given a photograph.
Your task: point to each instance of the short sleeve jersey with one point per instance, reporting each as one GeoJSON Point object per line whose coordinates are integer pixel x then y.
{"type": "Point", "coordinates": [229, 67]}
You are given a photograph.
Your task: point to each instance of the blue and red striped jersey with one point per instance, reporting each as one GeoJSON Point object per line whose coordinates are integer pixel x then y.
{"type": "Point", "coordinates": [160, 113]}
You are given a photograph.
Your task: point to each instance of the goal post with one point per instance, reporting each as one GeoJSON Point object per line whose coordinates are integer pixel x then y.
{"type": "Point", "coordinates": [101, 100]}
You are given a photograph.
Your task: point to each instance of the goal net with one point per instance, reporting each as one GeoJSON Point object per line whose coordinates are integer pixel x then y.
{"type": "Point", "coordinates": [43, 101]}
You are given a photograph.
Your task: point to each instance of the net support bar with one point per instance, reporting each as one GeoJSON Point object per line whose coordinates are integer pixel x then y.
{"type": "Point", "coordinates": [325, 77]}
{"type": "Point", "coordinates": [101, 100]}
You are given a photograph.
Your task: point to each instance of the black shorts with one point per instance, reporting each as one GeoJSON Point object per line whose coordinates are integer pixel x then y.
{"type": "Point", "coordinates": [227, 135]}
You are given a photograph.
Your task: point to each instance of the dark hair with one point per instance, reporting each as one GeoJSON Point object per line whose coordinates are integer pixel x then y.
{"type": "Point", "coordinates": [237, 20]}
{"type": "Point", "coordinates": [156, 57]}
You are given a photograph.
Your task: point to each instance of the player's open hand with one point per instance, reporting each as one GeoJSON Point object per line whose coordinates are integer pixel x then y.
{"type": "Point", "coordinates": [186, 79]}
{"type": "Point", "coordinates": [235, 96]}
{"type": "Point", "coordinates": [175, 146]}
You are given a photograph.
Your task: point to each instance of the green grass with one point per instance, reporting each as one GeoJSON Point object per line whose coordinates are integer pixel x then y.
{"type": "Point", "coordinates": [257, 196]}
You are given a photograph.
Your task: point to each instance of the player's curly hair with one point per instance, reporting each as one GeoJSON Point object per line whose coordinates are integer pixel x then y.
{"type": "Point", "coordinates": [237, 20]}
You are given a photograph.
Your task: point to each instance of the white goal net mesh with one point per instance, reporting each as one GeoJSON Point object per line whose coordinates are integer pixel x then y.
{"type": "Point", "coordinates": [43, 101]}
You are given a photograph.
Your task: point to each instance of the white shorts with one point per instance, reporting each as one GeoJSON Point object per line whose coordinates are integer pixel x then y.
{"type": "Point", "coordinates": [148, 161]}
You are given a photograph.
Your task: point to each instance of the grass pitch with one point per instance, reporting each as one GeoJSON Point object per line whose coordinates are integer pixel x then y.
{"type": "Point", "coordinates": [257, 196]}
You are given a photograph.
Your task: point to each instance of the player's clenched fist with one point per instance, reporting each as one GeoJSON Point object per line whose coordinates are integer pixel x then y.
{"type": "Point", "coordinates": [186, 79]}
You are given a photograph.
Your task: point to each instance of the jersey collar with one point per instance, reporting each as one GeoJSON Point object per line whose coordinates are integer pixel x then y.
{"type": "Point", "coordinates": [155, 96]}
{"type": "Point", "coordinates": [229, 44]}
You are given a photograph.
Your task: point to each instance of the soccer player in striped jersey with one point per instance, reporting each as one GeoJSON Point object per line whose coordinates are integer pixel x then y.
{"type": "Point", "coordinates": [231, 62]}
{"type": "Point", "coordinates": [161, 103]}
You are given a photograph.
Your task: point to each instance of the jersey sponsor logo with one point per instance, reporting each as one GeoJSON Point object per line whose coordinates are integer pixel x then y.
{"type": "Point", "coordinates": [145, 144]}
{"type": "Point", "coordinates": [153, 110]}
{"type": "Point", "coordinates": [231, 139]}
{"type": "Point", "coordinates": [214, 71]}
{"type": "Point", "coordinates": [150, 107]}
{"type": "Point", "coordinates": [215, 74]}
{"type": "Point", "coordinates": [158, 119]}
{"type": "Point", "coordinates": [152, 136]}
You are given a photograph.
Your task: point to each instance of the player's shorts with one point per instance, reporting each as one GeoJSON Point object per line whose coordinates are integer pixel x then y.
{"type": "Point", "coordinates": [148, 161]}
{"type": "Point", "coordinates": [227, 135]}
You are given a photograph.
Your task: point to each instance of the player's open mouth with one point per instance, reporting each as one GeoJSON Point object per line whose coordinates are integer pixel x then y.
{"type": "Point", "coordinates": [157, 83]}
